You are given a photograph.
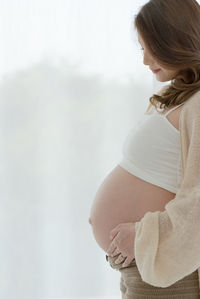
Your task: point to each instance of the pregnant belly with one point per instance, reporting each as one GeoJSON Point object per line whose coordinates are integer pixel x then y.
{"type": "Point", "coordinates": [123, 197]}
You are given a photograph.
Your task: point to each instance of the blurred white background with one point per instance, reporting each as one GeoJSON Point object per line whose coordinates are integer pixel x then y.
{"type": "Point", "coordinates": [72, 84]}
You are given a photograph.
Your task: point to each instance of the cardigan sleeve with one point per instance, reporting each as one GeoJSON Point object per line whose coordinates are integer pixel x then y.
{"type": "Point", "coordinates": [167, 244]}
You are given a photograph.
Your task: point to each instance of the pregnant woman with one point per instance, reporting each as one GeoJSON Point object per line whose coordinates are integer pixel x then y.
{"type": "Point", "coordinates": [141, 216]}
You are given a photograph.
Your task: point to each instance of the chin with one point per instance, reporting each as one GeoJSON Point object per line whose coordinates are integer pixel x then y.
{"type": "Point", "coordinates": [165, 76]}
{"type": "Point", "coordinates": [160, 79]}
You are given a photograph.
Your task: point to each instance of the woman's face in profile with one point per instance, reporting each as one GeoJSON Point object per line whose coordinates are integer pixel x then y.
{"type": "Point", "coordinates": [162, 74]}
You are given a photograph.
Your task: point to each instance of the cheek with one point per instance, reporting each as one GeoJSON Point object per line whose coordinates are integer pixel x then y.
{"type": "Point", "coordinates": [171, 73]}
{"type": "Point", "coordinates": [168, 74]}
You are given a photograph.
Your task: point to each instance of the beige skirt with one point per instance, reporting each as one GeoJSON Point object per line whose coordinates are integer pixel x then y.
{"type": "Point", "coordinates": [133, 287]}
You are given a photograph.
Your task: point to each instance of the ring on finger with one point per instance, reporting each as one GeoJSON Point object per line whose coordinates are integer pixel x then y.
{"type": "Point", "coordinates": [120, 259]}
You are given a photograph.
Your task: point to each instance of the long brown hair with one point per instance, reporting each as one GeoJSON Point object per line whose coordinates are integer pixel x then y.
{"type": "Point", "coordinates": [171, 32]}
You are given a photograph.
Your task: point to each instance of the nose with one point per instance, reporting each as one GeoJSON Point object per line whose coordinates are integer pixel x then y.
{"type": "Point", "coordinates": [147, 58]}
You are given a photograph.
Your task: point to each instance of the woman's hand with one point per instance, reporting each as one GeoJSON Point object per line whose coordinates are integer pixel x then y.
{"type": "Point", "coordinates": [123, 237]}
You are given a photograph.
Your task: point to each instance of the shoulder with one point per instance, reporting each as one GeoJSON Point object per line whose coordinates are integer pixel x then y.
{"type": "Point", "coordinates": [194, 99]}
{"type": "Point", "coordinates": [190, 115]}
{"type": "Point", "coordinates": [192, 106]}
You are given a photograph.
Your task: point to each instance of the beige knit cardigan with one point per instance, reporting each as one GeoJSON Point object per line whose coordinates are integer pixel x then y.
{"type": "Point", "coordinates": [167, 243]}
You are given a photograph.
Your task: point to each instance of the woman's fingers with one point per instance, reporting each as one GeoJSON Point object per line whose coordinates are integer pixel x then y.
{"type": "Point", "coordinates": [115, 252]}
{"type": "Point", "coordinates": [120, 259]}
{"type": "Point", "coordinates": [127, 262]}
{"type": "Point", "coordinates": [113, 234]}
{"type": "Point", "coordinates": [112, 247]}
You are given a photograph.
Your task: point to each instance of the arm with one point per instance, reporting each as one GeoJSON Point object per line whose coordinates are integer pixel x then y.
{"type": "Point", "coordinates": [167, 244]}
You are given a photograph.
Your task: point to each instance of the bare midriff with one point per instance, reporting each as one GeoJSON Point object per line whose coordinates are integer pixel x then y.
{"type": "Point", "coordinates": [121, 198]}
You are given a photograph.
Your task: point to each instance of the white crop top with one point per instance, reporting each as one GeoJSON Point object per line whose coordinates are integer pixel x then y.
{"type": "Point", "coordinates": [152, 151]}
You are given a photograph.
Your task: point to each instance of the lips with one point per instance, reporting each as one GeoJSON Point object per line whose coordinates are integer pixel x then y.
{"type": "Point", "coordinates": [155, 71]}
